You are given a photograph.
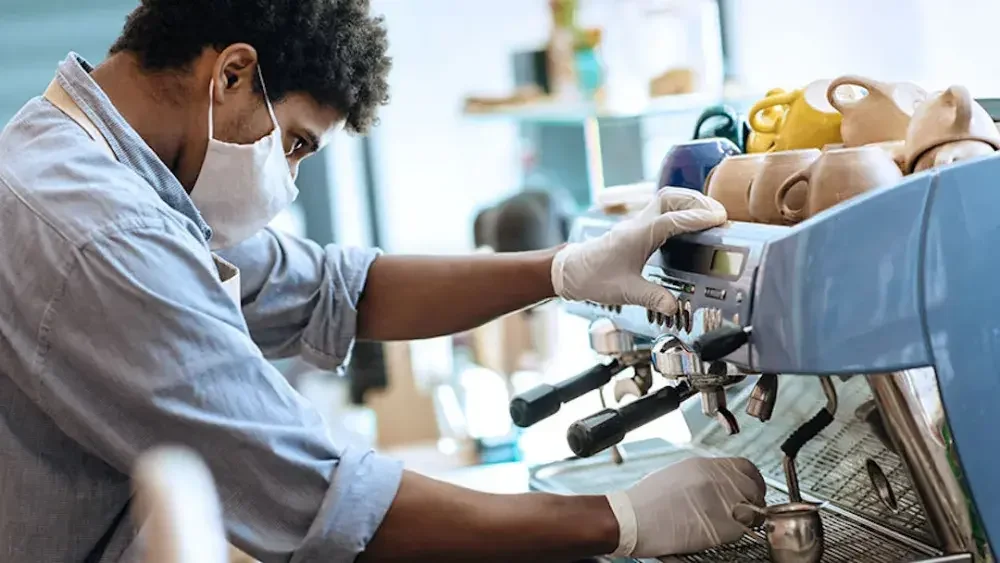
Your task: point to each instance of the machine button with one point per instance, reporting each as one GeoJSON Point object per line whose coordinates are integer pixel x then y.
{"type": "Point", "coordinates": [713, 293]}
{"type": "Point", "coordinates": [736, 318]}
{"type": "Point", "coordinates": [739, 296]}
{"type": "Point", "coordinates": [649, 316]}
{"type": "Point", "coordinates": [687, 316]}
{"type": "Point", "coordinates": [668, 320]}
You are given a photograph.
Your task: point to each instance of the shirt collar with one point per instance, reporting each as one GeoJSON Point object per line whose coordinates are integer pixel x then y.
{"type": "Point", "coordinates": [130, 149]}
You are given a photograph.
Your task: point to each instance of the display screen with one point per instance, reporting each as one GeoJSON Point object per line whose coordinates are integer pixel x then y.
{"type": "Point", "coordinates": [726, 263]}
{"type": "Point", "coordinates": [700, 259]}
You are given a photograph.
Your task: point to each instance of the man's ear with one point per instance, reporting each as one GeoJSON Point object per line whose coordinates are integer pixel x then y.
{"type": "Point", "coordinates": [235, 69]}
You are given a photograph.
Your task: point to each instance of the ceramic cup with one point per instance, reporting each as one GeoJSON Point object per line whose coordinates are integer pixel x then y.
{"type": "Point", "coordinates": [882, 114]}
{"type": "Point", "coordinates": [896, 150]}
{"type": "Point", "coordinates": [810, 122]}
{"type": "Point", "coordinates": [950, 153]}
{"type": "Point", "coordinates": [687, 165]}
{"type": "Point", "coordinates": [772, 118]}
{"type": "Point", "coordinates": [774, 170]}
{"type": "Point", "coordinates": [836, 176]}
{"type": "Point", "coordinates": [947, 117]}
{"type": "Point", "coordinates": [728, 183]}
{"type": "Point", "coordinates": [721, 121]}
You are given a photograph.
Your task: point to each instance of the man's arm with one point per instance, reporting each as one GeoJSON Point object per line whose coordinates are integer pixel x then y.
{"type": "Point", "coordinates": [150, 350]}
{"type": "Point", "coordinates": [464, 525]}
{"type": "Point", "coordinates": [409, 297]}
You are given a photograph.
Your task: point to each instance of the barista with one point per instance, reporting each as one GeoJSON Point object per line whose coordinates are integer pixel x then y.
{"type": "Point", "coordinates": [120, 329]}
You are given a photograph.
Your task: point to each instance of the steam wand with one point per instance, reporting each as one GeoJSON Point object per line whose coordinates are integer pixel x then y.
{"type": "Point", "coordinates": [803, 434]}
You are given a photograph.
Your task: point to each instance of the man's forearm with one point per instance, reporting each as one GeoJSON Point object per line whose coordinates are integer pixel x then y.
{"type": "Point", "coordinates": [412, 297]}
{"type": "Point", "coordinates": [434, 521]}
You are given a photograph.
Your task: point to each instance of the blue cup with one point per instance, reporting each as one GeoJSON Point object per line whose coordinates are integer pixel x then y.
{"type": "Point", "coordinates": [687, 164]}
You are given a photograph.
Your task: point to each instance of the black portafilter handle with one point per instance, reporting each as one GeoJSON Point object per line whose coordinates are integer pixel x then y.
{"type": "Point", "coordinates": [719, 343]}
{"type": "Point", "coordinates": [608, 427]}
{"type": "Point", "coordinates": [544, 401]}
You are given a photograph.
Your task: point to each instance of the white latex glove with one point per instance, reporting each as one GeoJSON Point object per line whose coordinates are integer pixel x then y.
{"type": "Point", "coordinates": [608, 269]}
{"type": "Point", "coordinates": [685, 507]}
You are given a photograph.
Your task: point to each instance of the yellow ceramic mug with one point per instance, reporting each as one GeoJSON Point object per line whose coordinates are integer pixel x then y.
{"type": "Point", "coordinates": [758, 142]}
{"type": "Point", "coordinates": [810, 122]}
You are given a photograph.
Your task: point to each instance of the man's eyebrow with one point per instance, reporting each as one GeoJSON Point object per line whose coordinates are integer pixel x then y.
{"type": "Point", "coordinates": [313, 139]}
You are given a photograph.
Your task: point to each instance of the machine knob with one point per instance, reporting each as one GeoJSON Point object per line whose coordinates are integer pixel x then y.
{"type": "Point", "coordinates": [544, 401]}
{"type": "Point", "coordinates": [608, 427]}
{"type": "Point", "coordinates": [722, 341]}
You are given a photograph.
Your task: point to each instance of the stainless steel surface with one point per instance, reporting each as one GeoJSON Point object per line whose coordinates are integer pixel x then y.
{"type": "Point", "coordinates": [637, 385]}
{"type": "Point", "coordinates": [848, 538]}
{"type": "Point", "coordinates": [617, 457]}
{"type": "Point", "coordinates": [672, 359]}
{"type": "Point", "coordinates": [830, 392]}
{"type": "Point", "coordinates": [791, 479]}
{"type": "Point", "coordinates": [608, 340]}
{"type": "Point", "coordinates": [760, 404]}
{"type": "Point", "coordinates": [794, 532]}
{"type": "Point", "coordinates": [881, 485]}
{"type": "Point", "coordinates": [936, 485]}
{"type": "Point", "coordinates": [713, 404]}
{"type": "Point", "coordinates": [832, 466]}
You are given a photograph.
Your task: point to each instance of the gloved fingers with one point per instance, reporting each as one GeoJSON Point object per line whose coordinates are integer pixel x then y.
{"type": "Point", "coordinates": [670, 198]}
{"type": "Point", "coordinates": [745, 478]}
{"type": "Point", "coordinates": [685, 221]}
{"type": "Point", "coordinates": [639, 291]}
{"type": "Point", "coordinates": [677, 199]}
{"type": "Point", "coordinates": [746, 516]}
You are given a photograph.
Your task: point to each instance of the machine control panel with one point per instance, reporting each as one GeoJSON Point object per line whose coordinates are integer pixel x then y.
{"type": "Point", "coordinates": [711, 274]}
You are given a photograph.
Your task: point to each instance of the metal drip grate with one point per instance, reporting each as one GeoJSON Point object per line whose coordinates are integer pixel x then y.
{"type": "Point", "coordinates": [831, 466]}
{"type": "Point", "coordinates": [847, 541]}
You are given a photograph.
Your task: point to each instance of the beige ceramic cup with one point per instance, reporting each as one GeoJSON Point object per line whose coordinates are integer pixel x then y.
{"type": "Point", "coordinates": [947, 117]}
{"type": "Point", "coordinates": [882, 114]}
{"type": "Point", "coordinates": [896, 150]}
{"type": "Point", "coordinates": [776, 167]}
{"type": "Point", "coordinates": [836, 176]}
{"type": "Point", "coordinates": [949, 153]}
{"type": "Point", "coordinates": [728, 182]}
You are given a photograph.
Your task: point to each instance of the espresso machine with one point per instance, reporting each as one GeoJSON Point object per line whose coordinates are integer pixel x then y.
{"type": "Point", "coordinates": [853, 357]}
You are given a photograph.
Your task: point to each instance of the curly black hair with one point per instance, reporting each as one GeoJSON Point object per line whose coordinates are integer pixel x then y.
{"type": "Point", "coordinates": [333, 50]}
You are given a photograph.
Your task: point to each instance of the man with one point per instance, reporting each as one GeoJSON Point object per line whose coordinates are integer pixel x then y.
{"type": "Point", "coordinates": [118, 333]}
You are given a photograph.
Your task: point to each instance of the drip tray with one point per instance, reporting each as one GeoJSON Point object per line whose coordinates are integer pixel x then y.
{"type": "Point", "coordinates": [849, 539]}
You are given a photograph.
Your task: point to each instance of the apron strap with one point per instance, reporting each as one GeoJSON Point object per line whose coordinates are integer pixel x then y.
{"type": "Point", "coordinates": [58, 97]}
{"type": "Point", "coordinates": [101, 547]}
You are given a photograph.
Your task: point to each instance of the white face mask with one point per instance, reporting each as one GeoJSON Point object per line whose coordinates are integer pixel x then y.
{"type": "Point", "coordinates": [241, 188]}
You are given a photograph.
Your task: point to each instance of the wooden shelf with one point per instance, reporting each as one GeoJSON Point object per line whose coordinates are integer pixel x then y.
{"type": "Point", "coordinates": [556, 112]}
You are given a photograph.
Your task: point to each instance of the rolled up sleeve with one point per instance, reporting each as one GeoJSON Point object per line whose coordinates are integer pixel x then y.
{"type": "Point", "coordinates": [300, 298]}
{"type": "Point", "coordinates": [142, 347]}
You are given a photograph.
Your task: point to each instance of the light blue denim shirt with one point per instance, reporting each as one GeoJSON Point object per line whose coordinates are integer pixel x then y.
{"type": "Point", "coordinates": [116, 335]}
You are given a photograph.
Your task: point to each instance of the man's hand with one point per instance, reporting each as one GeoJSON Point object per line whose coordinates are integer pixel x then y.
{"type": "Point", "coordinates": [686, 507]}
{"type": "Point", "coordinates": [608, 269]}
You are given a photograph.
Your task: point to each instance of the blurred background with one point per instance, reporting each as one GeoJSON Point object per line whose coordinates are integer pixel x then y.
{"type": "Point", "coordinates": [506, 118]}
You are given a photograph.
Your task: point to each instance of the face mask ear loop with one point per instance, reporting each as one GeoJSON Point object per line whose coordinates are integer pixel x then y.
{"type": "Point", "coordinates": [211, 103]}
{"type": "Point", "coordinates": [267, 100]}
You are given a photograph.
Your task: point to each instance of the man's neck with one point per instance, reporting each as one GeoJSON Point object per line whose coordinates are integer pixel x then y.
{"type": "Point", "coordinates": [150, 104]}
